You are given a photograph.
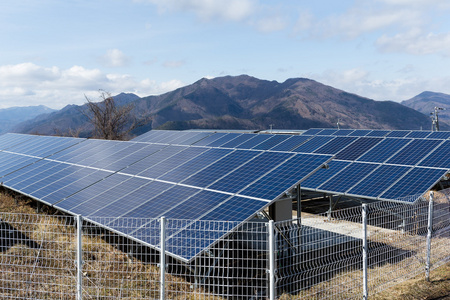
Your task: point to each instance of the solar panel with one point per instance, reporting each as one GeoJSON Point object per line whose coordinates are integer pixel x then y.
{"type": "Point", "coordinates": [213, 137]}
{"type": "Point", "coordinates": [384, 150]}
{"type": "Point", "coordinates": [398, 133]}
{"type": "Point", "coordinates": [335, 145]}
{"type": "Point", "coordinates": [313, 144]}
{"type": "Point", "coordinates": [224, 139]}
{"type": "Point", "coordinates": [256, 140]}
{"type": "Point", "coordinates": [327, 132]}
{"type": "Point", "coordinates": [312, 131]}
{"type": "Point", "coordinates": [343, 132]}
{"type": "Point", "coordinates": [348, 177]}
{"type": "Point", "coordinates": [324, 174]}
{"type": "Point", "coordinates": [414, 152]}
{"type": "Point", "coordinates": [291, 143]}
{"type": "Point", "coordinates": [378, 181]}
{"type": "Point", "coordinates": [358, 148]}
{"type": "Point", "coordinates": [439, 158]}
{"type": "Point", "coordinates": [418, 134]}
{"type": "Point", "coordinates": [238, 140]}
{"type": "Point", "coordinates": [360, 132]}
{"type": "Point", "coordinates": [439, 135]}
{"type": "Point", "coordinates": [378, 133]}
{"type": "Point", "coordinates": [414, 183]}
{"type": "Point", "coordinates": [271, 142]}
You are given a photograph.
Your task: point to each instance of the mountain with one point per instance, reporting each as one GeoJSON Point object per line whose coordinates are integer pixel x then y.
{"type": "Point", "coordinates": [68, 120]}
{"type": "Point", "coordinates": [245, 102]}
{"type": "Point", "coordinates": [426, 102]}
{"type": "Point", "coordinates": [9, 117]}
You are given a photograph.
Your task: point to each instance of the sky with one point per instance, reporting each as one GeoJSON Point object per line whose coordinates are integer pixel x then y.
{"type": "Point", "coordinates": [56, 53]}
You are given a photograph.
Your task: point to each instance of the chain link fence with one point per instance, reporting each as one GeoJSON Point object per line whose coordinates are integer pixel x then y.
{"type": "Point", "coordinates": [349, 253]}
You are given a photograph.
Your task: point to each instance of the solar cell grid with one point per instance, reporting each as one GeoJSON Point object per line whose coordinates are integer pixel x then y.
{"type": "Point", "coordinates": [195, 137]}
{"type": "Point", "coordinates": [415, 182]}
{"type": "Point", "coordinates": [343, 132]}
{"type": "Point", "coordinates": [223, 139]}
{"type": "Point", "coordinates": [398, 133]}
{"type": "Point", "coordinates": [357, 148]}
{"type": "Point", "coordinates": [327, 132]}
{"type": "Point", "coordinates": [26, 178]}
{"type": "Point", "coordinates": [384, 150]}
{"type": "Point", "coordinates": [250, 171]}
{"type": "Point", "coordinates": [439, 158]}
{"type": "Point", "coordinates": [9, 140]}
{"type": "Point", "coordinates": [379, 181]}
{"type": "Point", "coordinates": [291, 143]}
{"type": "Point", "coordinates": [324, 174]}
{"type": "Point", "coordinates": [16, 164]}
{"type": "Point", "coordinates": [414, 152]}
{"type": "Point", "coordinates": [127, 160]}
{"type": "Point", "coordinates": [360, 132]}
{"type": "Point", "coordinates": [209, 139]}
{"type": "Point", "coordinates": [177, 137]}
{"type": "Point", "coordinates": [348, 177]}
{"type": "Point", "coordinates": [313, 144]}
{"type": "Point", "coordinates": [439, 135]}
{"type": "Point", "coordinates": [272, 142]}
{"type": "Point", "coordinates": [238, 140]}
{"type": "Point", "coordinates": [418, 134]}
{"type": "Point", "coordinates": [312, 131]}
{"type": "Point", "coordinates": [285, 176]}
{"type": "Point", "coordinates": [194, 165]}
{"type": "Point", "coordinates": [256, 140]}
{"type": "Point", "coordinates": [335, 145]}
{"type": "Point", "coordinates": [379, 133]}
{"type": "Point", "coordinates": [220, 168]}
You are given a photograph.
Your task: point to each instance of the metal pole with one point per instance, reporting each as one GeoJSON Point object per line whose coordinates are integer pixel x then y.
{"type": "Point", "coordinates": [364, 241]}
{"type": "Point", "coordinates": [79, 258]}
{"type": "Point", "coordinates": [271, 261]}
{"type": "Point", "coordinates": [430, 230]}
{"type": "Point", "coordinates": [162, 259]}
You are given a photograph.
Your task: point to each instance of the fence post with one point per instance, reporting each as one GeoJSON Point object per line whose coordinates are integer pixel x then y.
{"type": "Point", "coordinates": [79, 258]}
{"type": "Point", "coordinates": [162, 259]}
{"type": "Point", "coordinates": [364, 248]}
{"type": "Point", "coordinates": [430, 230]}
{"type": "Point", "coordinates": [271, 261]}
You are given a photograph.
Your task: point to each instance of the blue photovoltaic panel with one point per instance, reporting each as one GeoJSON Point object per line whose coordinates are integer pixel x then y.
{"type": "Point", "coordinates": [384, 150]}
{"type": "Point", "coordinates": [439, 135]}
{"type": "Point", "coordinates": [35, 175]}
{"type": "Point", "coordinates": [256, 140]}
{"type": "Point", "coordinates": [213, 137]}
{"type": "Point", "coordinates": [418, 134]}
{"type": "Point", "coordinates": [235, 209]}
{"type": "Point", "coordinates": [103, 199]}
{"type": "Point", "coordinates": [348, 177]}
{"type": "Point", "coordinates": [224, 139]}
{"type": "Point", "coordinates": [166, 136]}
{"type": "Point", "coordinates": [335, 145]}
{"type": "Point", "coordinates": [9, 140]}
{"type": "Point", "coordinates": [291, 143]}
{"type": "Point", "coordinates": [312, 131]}
{"type": "Point", "coordinates": [398, 133]}
{"type": "Point", "coordinates": [313, 144]}
{"type": "Point", "coordinates": [171, 162]}
{"type": "Point", "coordinates": [285, 176]}
{"type": "Point", "coordinates": [177, 138]}
{"type": "Point", "coordinates": [74, 151]}
{"type": "Point", "coordinates": [149, 136]}
{"type": "Point", "coordinates": [128, 160]}
{"type": "Point", "coordinates": [157, 206]}
{"type": "Point", "coordinates": [195, 137]}
{"type": "Point", "coordinates": [121, 151]}
{"type": "Point", "coordinates": [70, 185]}
{"type": "Point", "coordinates": [272, 142]}
{"type": "Point", "coordinates": [360, 132]}
{"type": "Point", "coordinates": [414, 152]}
{"type": "Point", "coordinates": [196, 164]}
{"type": "Point", "coordinates": [415, 182]}
{"type": "Point", "coordinates": [23, 174]}
{"type": "Point", "coordinates": [343, 132]}
{"type": "Point", "coordinates": [17, 163]}
{"type": "Point", "coordinates": [238, 140]}
{"type": "Point", "coordinates": [100, 186]}
{"type": "Point", "coordinates": [358, 148]}
{"type": "Point", "coordinates": [134, 198]}
{"type": "Point", "coordinates": [247, 173]}
{"type": "Point", "coordinates": [379, 181]}
{"type": "Point", "coordinates": [327, 132]}
{"type": "Point", "coordinates": [378, 133]}
{"type": "Point", "coordinates": [324, 174]}
{"type": "Point", "coordinates": [153, 159]}
{"type": "Point", "coordinates": [439, 158]}
{"type": "Point", "coordinates": [220, 168]}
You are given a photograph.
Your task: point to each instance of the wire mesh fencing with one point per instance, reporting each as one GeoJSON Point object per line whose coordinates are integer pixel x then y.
{"type": "Point", "coordinates": [343, 254]}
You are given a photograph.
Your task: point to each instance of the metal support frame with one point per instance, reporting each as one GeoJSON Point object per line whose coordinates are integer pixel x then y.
{"type": "Point", "coordinates": [272, 289]}
{"type": "Point", "coordinates": [364, 250]}
{"type": "Point", "coordinates": [429, 233]}
{"type": "Point", "coordinates": [79, 256]}
{"type": "Point", "coordinates": [162, 260]}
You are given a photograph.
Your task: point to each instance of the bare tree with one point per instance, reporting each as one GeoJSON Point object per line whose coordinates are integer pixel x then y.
{"type": "Point", "coordinates": [111, 122]}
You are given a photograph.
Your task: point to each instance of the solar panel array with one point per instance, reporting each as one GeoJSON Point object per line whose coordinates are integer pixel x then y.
{"type": "Point", "coordinates": [391, 165]}
{"type": "Point", "coordinates": [158, 174]}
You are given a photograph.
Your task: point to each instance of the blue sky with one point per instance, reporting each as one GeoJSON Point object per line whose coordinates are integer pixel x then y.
{"type": "Point", "coordinates": [55, 52]}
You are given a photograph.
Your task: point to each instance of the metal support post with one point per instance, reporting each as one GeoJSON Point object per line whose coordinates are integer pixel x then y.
{"type": "Point", "coordinates": [79, 258]}
{"type": "Point", "coordinates": [271, 261]}
{"type": "Point", "coordinates": [162, 259]}
{"type": "Point", "coordinates": [364, 246]}
{"type": "Point", "coordinates": [430, 231]}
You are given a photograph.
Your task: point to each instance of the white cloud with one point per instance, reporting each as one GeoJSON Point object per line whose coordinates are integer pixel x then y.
{"type": "Point", "coordinates": [416, 42]}
{"type": "Point", "coordinates": [114, 58]}
{"type": "Point", "coordinates": [271, 23]}
{"type": "Point", "coordinates": [235, 10]}
{"type": "Point", "coordinates": [173, 64]}
{"type": "Point", "coordinates": [29, 84]}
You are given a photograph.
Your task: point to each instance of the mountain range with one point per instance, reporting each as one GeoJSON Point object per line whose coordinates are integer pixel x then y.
{"type": "Point", "coordinates": [9, 117]}
{"type": "Point", "coordinates": [245, 102]}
